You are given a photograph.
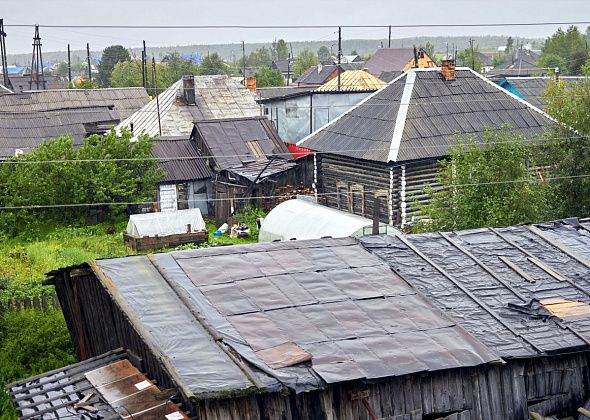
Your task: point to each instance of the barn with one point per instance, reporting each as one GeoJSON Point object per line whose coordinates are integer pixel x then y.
{"type": "Point", "coordinates": [477, 324]}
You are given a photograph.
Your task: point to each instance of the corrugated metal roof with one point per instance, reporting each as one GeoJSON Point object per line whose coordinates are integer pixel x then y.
{"type": "Point", "coordinates": [476, 277]}
{"type": "Point", "coordinates": [305, 313]}
{"type": "Point", "coordinates": [433, 111]}
{"type": "Point", "coordinates": [180, 169]}
{"type": "Point", "coordinates": [21, 83]}
{"type": "Point", "coordinates": [227, 140]}
{"type": "Point", "coordinates": [216, 97]}
{"type": "Point", "coordinates": [123, 101]}
{"type": "Point", "coordinates": [352, 81]}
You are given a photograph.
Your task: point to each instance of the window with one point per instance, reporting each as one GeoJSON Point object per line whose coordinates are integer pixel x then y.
{"type": "Point", "coordinates": [357, 199]}
{"type": "Point", "coordinates": [342, 196]}
{"type": "Point", "coordinates": [292, 111]}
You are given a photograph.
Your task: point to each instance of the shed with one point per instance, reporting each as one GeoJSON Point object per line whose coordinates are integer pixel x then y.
{"type": "Point", "coordinates": [165, 229]}
{"type": "Point", "coordinates": [248, 159]}
{"type": "Point", "coordinates": [478, 324]}
{"type": "Point", "coordinates": [301, 219]}
{"type": "Point", "coordinates": [187, 184]}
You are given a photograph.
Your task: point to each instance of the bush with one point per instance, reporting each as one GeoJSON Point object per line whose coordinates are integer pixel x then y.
{"type": "Point", "coordinates": [105, 169]}
{"type": "Point", "coordinates": [31, 342]}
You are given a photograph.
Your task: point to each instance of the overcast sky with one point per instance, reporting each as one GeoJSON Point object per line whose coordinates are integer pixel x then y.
{"type": "Point", "coordinates": [269, 12]}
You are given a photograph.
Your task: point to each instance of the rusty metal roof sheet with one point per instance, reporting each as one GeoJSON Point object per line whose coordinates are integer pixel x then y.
{"type": "Point", "coordinates": [301, 314]}
{"type": "Point", "coordinates": [353, 81]}
{"type": "Point", "coordinates": [466, 275]}
{"type": "Point", "coordinates": [52, 395]}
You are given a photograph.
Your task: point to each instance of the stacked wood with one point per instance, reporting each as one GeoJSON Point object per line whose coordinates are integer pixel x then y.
{"type": "Point", "coordinates": [289, 192]}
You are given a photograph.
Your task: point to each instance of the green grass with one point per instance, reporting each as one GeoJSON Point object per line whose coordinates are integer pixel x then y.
{"type": "Point", "coordinates": [31, 342]}
{"type": "Point", "coordinates": [34, 341]}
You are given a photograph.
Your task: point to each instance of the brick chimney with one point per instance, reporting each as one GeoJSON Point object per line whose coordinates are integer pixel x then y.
{"type": "Point", "coordinates": [188, 90]}
{"type": "Point", "coordinates": [448, 70]}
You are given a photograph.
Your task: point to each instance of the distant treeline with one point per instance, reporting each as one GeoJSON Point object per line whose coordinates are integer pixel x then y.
{"type": "Point", "coordinates": [233, 52]}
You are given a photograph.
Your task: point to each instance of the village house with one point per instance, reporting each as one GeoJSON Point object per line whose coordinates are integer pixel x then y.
{"type": "Point", "coordinates": [389, 144]}
{"type": "Point", "coordinates": [297, 112]}
{"type": "Point", "coordinates": [26, 119]}
{"type": "Point", "coordinates": [190, 99]}
{"type": "Point", "coordinates": [247, 159]}
{"type": "Point", "coordinates": [286, 69]}
{"type": "Point", "coordinates": [187, 184]}
{"type": "Point", "coordinates": [477, 324]}
{"type": "Point", "coordinates": [520, 63]}
{"type": "Point", "coordinates": [318, 75]}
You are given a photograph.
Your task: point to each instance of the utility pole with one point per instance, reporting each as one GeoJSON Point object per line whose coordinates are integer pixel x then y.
{"type": "Point", "coordinates": [389, 43]}
{"type": "Point", "coordinates": [7, 82]}
{"type": "Point", "coordinates": [447, 53]}
{"type": "Point", "coordinates": [144, 66]}
{"type": "Point", "coordinates": [339, 54]}
{"type": "Point", "coordinates": [69, 65]}
{"type": "Point", "coordinates": [156, 93]}
{"type": "Point", "coordinates": [37, 61]}
{"type": "Point", "coordinates": [288, 68]}
{"type": "Point", "coordinates": [244, 61]}
{"type": "Point", "coordinates": [472, 54]}
{"type": "Point", "coordinates": [88, 61]}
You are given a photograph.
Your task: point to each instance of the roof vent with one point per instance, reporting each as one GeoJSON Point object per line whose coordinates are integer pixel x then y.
{"type": "Point", "coordinates": [188, 90]}
{"type": "Point", "coordinates": [448, 70]}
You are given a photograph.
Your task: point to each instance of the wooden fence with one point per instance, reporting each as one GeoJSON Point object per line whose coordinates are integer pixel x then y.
{"type": "Point", "coordinates": [37, 302]}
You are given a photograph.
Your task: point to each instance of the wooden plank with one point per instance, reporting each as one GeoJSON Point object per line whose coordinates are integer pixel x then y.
{"type": "Point", "coordinates": [517, 269]}
{"type": "Point", "coordinates": [546, 268]}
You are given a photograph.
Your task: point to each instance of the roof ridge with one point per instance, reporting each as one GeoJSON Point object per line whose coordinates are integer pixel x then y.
{"type": "Point", "coordinates": [361, 103]}
{"type": "Point", "coordinates": [402, 113]}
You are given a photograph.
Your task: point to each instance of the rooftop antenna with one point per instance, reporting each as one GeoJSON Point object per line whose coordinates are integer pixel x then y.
{"type": "Point", "coordinates": [7, 82]}
{"type": "Point", "coordinates": [37, 62]}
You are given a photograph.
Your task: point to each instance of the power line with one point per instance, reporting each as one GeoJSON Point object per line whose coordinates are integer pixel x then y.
{"type": "Point", "coordinates": [75, 205]}
{"type": "Point", "coordinates": [421, 25]}
{"type": "Point", "coordinates": [288, 154]}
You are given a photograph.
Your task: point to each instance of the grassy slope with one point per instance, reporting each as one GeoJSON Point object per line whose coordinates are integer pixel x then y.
{"type": "Point", "coordinates": [33, 342]}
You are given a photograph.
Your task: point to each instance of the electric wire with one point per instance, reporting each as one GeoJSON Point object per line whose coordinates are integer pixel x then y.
{"type": "Point", "coordinates": [477, 184]}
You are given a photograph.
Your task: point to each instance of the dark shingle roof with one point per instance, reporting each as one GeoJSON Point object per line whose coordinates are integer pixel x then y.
{"type": "Point", "coordinates": [283, 66]}
{"type": "Point", "coordinates": [319, 75]}
{"type": "Point", "coordinates": [433, 111]}
{"type": "Point", "coordinates": [389, 59]}
{"type": "Point", "coordinates": [521, 63]}
{"type": "Point", "coordinates": [25, 131]}
{"type": "Point", "coordinates": [298, 313]}
{"type": "Point", "coordinates": [532, 89]}
{"type": "Point", "coordinates": [227, 140]}
{"type": "Point", "coordinates": [21, 83]}
{"type": "Point", "coordinates": [123, 101]}
{"type": "Point", "coordinates": [475, 277]}
{"type": "Point", "coordinates": [180, 169]}
{"type": "Point", "coordinates": [388, 76]}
